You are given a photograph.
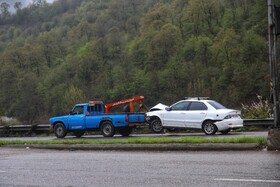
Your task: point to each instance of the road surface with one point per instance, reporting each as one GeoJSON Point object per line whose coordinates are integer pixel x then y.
{"type": "Point", "coordinates": [28, 167]}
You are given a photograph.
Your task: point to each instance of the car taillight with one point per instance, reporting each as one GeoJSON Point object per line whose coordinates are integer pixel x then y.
{"type": "Point", "coordinates": [232, 116]}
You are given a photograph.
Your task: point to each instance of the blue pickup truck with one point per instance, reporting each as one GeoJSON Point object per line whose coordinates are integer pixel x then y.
{"type": "Point", "coordinates": [91, 116]}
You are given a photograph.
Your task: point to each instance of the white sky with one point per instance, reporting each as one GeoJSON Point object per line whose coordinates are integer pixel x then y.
{"type": "Point", "coordinates": [24, 3]}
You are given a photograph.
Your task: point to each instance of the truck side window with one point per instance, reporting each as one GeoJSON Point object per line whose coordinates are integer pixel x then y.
{"type": "Point", "coordinates": [98, 108]}
{"type": "Point", "coordinates": [95, 109]}
{"type": "Point", "coordinates": [78, 110]}
{"type": "Point", "coordinates": [90, 110]}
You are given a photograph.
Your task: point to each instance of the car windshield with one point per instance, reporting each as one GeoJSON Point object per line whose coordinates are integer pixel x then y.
{"type": "Point", "coordinates": [216, 105]}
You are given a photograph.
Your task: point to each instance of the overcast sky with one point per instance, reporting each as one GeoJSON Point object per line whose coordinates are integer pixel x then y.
{"type": "Point", "coordinates": [24, 3]}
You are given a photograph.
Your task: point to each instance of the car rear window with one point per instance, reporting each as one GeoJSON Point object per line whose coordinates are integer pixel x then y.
{"type": "Point", "coordinates": [216, 105]}
{"type": "Point", "coordinates": [197, 106]}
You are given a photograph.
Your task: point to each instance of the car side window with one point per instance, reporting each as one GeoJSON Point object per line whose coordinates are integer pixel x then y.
{"type": "Point", "coordinates": [197, 106]}
{"type": "Point", "coordinates": [181, 106]}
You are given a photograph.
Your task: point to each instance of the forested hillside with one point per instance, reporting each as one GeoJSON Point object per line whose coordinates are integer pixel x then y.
{"type": "Point", "coordinates": [55, 55]}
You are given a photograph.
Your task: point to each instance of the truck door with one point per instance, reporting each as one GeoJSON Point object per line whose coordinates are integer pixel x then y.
{"type": "Point", "coordinates": [77, 118]}
{"type": "Point", "coordinates": [94, 114]}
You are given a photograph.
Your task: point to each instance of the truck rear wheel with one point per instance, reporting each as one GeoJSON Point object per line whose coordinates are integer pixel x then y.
{"type": "Point", "coordinates": [107, 129]}
{"type": "Point", "coordinates": [60, 130]}
{"type": "Point", "coordinates": [125, 131]}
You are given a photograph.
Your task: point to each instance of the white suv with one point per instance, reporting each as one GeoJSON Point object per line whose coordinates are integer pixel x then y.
{"type": "Point", "coordinates": [197, 113]}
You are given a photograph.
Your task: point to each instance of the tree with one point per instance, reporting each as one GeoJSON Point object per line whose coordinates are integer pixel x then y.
{"type": "Point", "coordinates": [18, 5]}
{"type": "Point", "coordinates": [4, 8]}
{"type": "Point", "coordinates": [72, 96]}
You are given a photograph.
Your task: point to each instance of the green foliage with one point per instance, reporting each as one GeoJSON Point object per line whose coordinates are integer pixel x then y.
{"type": "Point", "coordinates": [158, 140]}
{"type": "Point", "coordinates": [54, 55]}
{"type": "Point", "coordinates": [73, 95]}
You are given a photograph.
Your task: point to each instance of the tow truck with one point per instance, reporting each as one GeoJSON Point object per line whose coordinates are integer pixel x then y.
{"type": "Point", "coordinates": [95, 115]}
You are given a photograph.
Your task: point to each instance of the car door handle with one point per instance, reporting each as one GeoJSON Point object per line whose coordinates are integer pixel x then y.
{"type": "Point", "coordinates": [202, 113]}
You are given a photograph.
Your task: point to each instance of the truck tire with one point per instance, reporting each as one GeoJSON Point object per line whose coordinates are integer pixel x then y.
{"type": "Point", "coordinates": [60, 130]}
{"type": "Point", "coordinates": [156, 126]}
{"type": "Point", "coordinates": [107, 129]}
{"type": "Point", "coordinates": [209, 128]}
{"type": "Point", "coordinates": [125, 131]}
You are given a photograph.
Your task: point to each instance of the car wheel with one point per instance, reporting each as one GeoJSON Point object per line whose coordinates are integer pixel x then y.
{"type": "Point", "coordinates": [60, 130]}
{"type": "Point", "coordinates": [156, 126]}
{"type": "Point", "coordinates": [225, 132]}
{"type": "Point", "coordinates": [107, 129]}
{"type": "Point", "coordinates": [125, 131]}
{"type": "Point", "coordinates": [209, 128]}
{"type": "Point", "coordinates": [79, 134]}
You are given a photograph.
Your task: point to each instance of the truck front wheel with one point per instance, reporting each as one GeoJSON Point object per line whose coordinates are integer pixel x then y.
{"type": "Point", "coordinates": [60, 130]}
{"type": "Point", "coordinates": [107, 129]}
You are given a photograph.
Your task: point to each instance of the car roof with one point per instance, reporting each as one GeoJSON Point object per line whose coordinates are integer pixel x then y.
{"type": "Point", "coordinates": [195, 99]}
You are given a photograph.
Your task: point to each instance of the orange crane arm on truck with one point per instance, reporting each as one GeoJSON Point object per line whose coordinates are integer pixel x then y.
{"type": "Point", "coordinates": [127, 101]}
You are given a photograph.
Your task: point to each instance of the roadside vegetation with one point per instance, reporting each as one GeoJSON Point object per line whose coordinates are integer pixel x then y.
{"type": "Point", "coordinates": [259, 109]}
{"type": "Point", "coordinates": [165, 140]}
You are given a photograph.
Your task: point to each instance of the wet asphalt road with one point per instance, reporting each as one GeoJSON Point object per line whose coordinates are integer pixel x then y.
{"type": "Point", "coordinates": [28, 167]}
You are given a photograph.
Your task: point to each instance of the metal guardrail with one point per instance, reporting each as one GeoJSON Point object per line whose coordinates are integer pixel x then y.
{"type": "Point", "coordinates": [258, 122]}
{"type": "Point", "coordinates": [26, 128]}
{"type": "Point", "coordinates": [46, 127]}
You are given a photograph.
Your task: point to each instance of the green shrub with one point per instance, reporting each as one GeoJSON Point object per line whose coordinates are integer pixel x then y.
{"type": "Point", "coordinates": [259, 109]}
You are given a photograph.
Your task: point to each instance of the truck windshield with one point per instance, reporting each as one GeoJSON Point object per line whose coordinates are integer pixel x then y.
{"type": "Point", "coordinates": [216, 105]}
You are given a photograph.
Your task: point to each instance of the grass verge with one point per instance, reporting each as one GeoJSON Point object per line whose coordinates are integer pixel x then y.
{"type": "Point", "coordinates": [164, 140]}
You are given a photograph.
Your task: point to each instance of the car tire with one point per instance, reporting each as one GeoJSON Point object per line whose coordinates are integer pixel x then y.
{"type": "Point", "coordinates": [156, 126]}
{"type": "Point", "coordinates": [60, 130]}
{"type": "Point", "coordinates": [107, 129]}
{"type": "Point", "coordinates": [125, 131]}
{"type": "Point", "coordinates": [209, 128]}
